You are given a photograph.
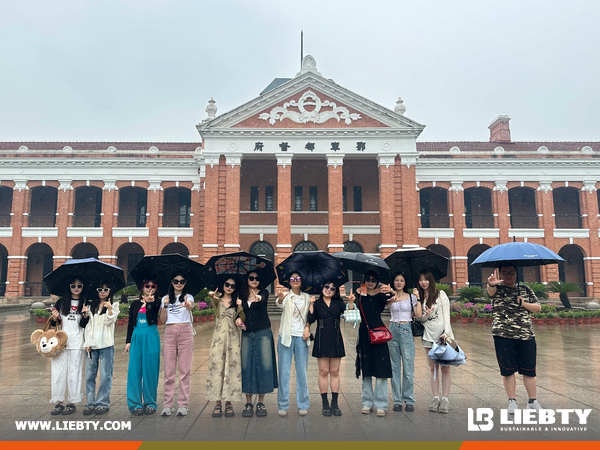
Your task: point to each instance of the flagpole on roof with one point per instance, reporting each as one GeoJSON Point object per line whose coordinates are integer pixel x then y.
{"type": "Point", "coordinates": [301, 47]}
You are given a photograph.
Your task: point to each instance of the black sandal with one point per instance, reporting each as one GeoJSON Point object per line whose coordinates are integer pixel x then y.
{"type": "Point", "coordinates": [58, 409]}
{"type": "Point", "coordinates": [248, 410]}
{"type": "Point", "coordinates": [217, 411]}
{"type": "Point", "coordinates": [69, 409]}
{"type": "Point", "coordinates": [261, 410]}
{"type": "Point", "coordinates": [229, 410]}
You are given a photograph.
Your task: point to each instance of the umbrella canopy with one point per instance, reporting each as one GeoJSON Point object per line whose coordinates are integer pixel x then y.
{"type": "Point", "coordinates": [91, 271]}
{"type": "Point", "coordinates": [160, 269]}
{"type": "Point", "coordinates": [361, 263]}
{"type": "Point", "coordinates": [410, 261]}
{"type": "Point", "coordinates": [237, 265]}
{"type": "Point", "coordinates": [522, 254]}
{"type": "Point", "coordinates": [315, 268]}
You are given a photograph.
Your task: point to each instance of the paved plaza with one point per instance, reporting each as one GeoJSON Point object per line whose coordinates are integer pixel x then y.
{"type": "Point", "coordinates": [568, 378]}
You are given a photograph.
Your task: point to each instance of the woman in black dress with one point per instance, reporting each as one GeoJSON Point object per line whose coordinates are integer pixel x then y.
{"type": "Point", "coordinates": [329, 345]}
{"type": "Point", "coordinates": [372, 360]}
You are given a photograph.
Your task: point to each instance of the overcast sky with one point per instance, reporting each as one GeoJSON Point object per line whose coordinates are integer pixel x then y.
{"type": "Point", "coordinates": [84, 70]}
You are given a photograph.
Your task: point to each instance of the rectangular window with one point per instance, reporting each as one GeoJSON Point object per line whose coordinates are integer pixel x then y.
{"type": "Point", "coordinates": [297, 198]}
{"type": "Point", "coordinates": [312, 192]}
{"type": "Point", "coordinates": [269, 198]}
{"type": "Point", "coordinates": [345, 198]}
{"type": "Point", "coordinates": [357, 198]}
{"type": "Point", "coordinates": [254, 198]}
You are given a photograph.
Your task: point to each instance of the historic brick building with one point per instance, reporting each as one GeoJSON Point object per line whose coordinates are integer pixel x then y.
{"type": "Point", "coordinates": [306, 165]}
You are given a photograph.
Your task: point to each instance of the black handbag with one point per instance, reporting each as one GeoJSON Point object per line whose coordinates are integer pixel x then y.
{"type": "Point", "coordinates": [417, 327]}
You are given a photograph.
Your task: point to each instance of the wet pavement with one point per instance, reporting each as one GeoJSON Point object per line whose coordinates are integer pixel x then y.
{"type": "Point", "coordinates": [568, 368]}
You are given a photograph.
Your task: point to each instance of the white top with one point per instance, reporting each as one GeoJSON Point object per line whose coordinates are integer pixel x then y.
{"type": "Point", "coordinates": [70, 325]}
{"type": "Point", "coordinates": [285, 326]}
{"type": "Point", "coordinates": [298, 322]}
{"type": "Point", "coordinates": [176, 312]}
{"type": "Point", "coordinates": [100, 330]}
{"type": "Point", "coordinates": [438, 320]}
{"type": "Point", "coordinates": [401, 311]}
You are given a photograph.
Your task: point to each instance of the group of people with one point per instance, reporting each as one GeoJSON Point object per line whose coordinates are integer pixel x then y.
{"type": "Point", "coordinates": [242, 359]}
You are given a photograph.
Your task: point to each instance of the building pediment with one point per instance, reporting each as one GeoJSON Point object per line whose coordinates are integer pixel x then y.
{"type": "Point", "coordinates": [310, 101]}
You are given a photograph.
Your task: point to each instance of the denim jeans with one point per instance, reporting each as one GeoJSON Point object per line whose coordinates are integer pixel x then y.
{"type": "Point", "coordinates": [377, 397]}
{"type": "Point", "coordinates": [402, 356]}
{"type": "Point", "coordinates": [104, 358]}
{"type": "Point", "coordinates": [299, 350]}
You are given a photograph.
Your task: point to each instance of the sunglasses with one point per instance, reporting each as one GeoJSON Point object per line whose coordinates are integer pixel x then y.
{"type": "Point", "coordinates": [103, 289]}
{"type": "Point", "coordinates": [512, 272]}
{"type": "Point", "coordinates": [150, 286]}
{"type": "Point", "coordinates": [298, 279]}
{"type": "Point", "coordinates": [330, 288]}
{"type": "Point", "coordinates": [230, 285]}
{"type": "Point", "coordinates": [178, 281]}
{"type": "Point", "coordinates": [251, 278]}
{"type": "Point", "coordinates": [76, 286]}
{"type": "Point", "coordinates": [372, 280]}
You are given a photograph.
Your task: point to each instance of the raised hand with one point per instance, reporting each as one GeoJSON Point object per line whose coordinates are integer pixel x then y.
{"type": "Point", "coordinates": [312, 300]}
{"type": "Point", "coordinates": [238, 302]}
{"type": "Point", "coordinates": [84, 310]}
{"type": "Point", "coordinates": [189, 305]}
{"type": "Point", "coordinates": [385, 288]}
{"type": "Point", "coordinates": [416, 292]}
{"type": "Point", "coordinates": [351, 297]}
{"type": "Point", "coordinates": [55, 314]}
{"type": "Point", "coordinates": [214, 294]}
{"type": "Point", "coordinates": [494, 279]}
{"type": "Point", "coordinates": [343, 291]}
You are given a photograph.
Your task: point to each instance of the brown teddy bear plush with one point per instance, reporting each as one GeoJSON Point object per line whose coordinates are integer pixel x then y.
{"type": "Point", "coordinates": [49, 342]}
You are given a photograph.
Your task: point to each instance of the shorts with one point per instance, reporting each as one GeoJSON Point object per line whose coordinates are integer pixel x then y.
{"type": "Point", "coordinates": [515, 355]}
{"type": "Point", "coordinates": [426, 344]}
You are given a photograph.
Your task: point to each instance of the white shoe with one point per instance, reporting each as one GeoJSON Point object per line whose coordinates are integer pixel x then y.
{"type": "Point", "coordinates": [167, 411]}
{"type": "Point", "coordinates": [282, 413]}
{"type": "Point", "coordinates": [535, 405]}
{"type": "Point", "coordinates": [512, 406]}
{"type": "Point", "coordinates": [181, 411]}
{"type": "Point", "coordinates": [302, 412]}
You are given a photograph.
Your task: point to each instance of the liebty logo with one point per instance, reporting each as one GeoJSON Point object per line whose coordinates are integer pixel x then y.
{"type": "Point", "coordinates": [481, 419]}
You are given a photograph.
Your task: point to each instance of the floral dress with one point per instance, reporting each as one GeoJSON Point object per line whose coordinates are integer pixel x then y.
{"type": "Point", "coordinates": [224, 380]}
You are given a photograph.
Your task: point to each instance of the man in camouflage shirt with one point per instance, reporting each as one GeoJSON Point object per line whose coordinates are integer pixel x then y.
{"type": "Point", "coordinates": [512, 330]}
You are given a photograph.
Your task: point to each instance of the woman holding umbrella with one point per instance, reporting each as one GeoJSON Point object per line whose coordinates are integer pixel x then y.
{"type": "Point", "coordinates": [259, 370]}
{"type": "Point", "coordinates": [178, 344]}
{"type": "Point", "coordinates": [436, 320]}
{"type": "Point", "coordinates": [329, 344]}
{"type": "Point", "coordinates": [100, 346]}
{"type": "Point", "coordinates": [65, 368]}
{"type": "Point", "coordinates": [372, 360]}
{"type": "Point", "coordinates": [224, 379]}
{"type": "Point", "coordinates": [144, 360]}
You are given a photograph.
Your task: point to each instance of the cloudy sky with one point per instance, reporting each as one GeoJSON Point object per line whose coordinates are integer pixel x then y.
{"type": "Point", "coordinates": [86, 70]}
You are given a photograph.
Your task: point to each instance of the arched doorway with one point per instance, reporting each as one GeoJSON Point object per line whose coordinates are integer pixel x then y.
{"type": "Point", "coordinates": [476, 273]}
{"type": "Point", "coordinates": [39, 264]}
{"type": "Point", "coordinates": [84, 250]}
{"type": "Point", "coordinates": [175, 247]}
{"type": "Point", "coordinates": [573, 269]}
{"type": "Point", "coordinates": [264, 250]}
{"type": "Point", "coordinates": [3, 269]}
{"type": "Point", "coordinates": [352, 246]}
{"type": "Point", "coordinates": [128, 256]}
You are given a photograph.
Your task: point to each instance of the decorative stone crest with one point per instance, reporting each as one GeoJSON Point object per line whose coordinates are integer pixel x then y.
{"type": "Point", "coordinates": [65, 185]}
{"type": "Point", "coordinates": [315, 115]}
{"type": "Point", "coordinates": [589, 186]}
{"type": "Point", "coordinates": [456, 186]}
{"type": "Point", "coordinates": [110, 185]}
{"type": "Point", "coordinates": [211, 109]}
{"type": "Point", "coordinates": [400, 108]}
{"type": "Point", "coordinates": [500, 186]}
{"type": "Point", "coordinates": [545, 186]}
{"type": "Point", "coordinates": [154, 185]}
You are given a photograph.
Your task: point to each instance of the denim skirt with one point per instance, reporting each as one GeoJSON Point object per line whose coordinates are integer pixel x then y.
{"type": "Point", "coordinates": [259, 367]}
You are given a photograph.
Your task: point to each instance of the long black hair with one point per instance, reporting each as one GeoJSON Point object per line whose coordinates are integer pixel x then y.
{"type": "Point", "coordinates": [336, 296]}
{"type": "Point", "coordinates": [65, 301]}
{"type": "Point", "coordinates": [96, 302]}
{"type": "Point", "coordinates": [234, 294]}
{"type": "Point", "coordinates": [245, 289]}
{"type": "Point", "coordinates": [147, 281]}
{"type": "Point", "coordinates": [184, 292]}
{"type": "Point", "coordinates": [394, 282]}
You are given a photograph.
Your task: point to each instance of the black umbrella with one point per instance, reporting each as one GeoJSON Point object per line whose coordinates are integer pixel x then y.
{"type": "Point", "coordinates": [237, 265]}
{"type": "Point", "coordinates": [160, 268]}
{"type": "Point", "coordinates": [410, 261]}
{"type": "Point", "coordinates": [91, 271]}
{"type": "Point", "coordinates": [361, 263]}
{"type": "Point", "coordinates": [315, 268]}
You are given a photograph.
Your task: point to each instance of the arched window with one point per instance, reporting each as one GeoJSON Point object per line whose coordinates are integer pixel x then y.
{"type": "Point", "coordinates": [84, 250]}
{"type": "Point", "coordinates": [39, 264]}
{"type": "Point", "coordinates": [523, 213]}
{"type": "Point", "coordinates": [128, 255]}
{"type": "Point", "coordinates": [434, 207]}
{"type": "Point", "coordinates": [263, 249]}
{"type": "Point", "coordinates": [305, 246]}
{"type": "Point", "coordinates": [475, 273]}
{"type": "Point", "coordinates": [566, 207]}
{"type": "Point", "coordinates": [175, 247]}
{"type": "Point", "coordinates": [351, 246]}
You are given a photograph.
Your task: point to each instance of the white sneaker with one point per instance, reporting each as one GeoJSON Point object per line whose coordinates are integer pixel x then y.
{"type": "Point", "coordinates": [535, 405]}
{"type": "Point", "coordinates": [167, 411]}
{"type": "Point", "coordinates": [302, 412]}
{"type": "Point", "coordinates": [512, 406]}
{"type": "Point", "coordinates": [181, 411]}
{"type": "Point", "coordinates": [282, 413]}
